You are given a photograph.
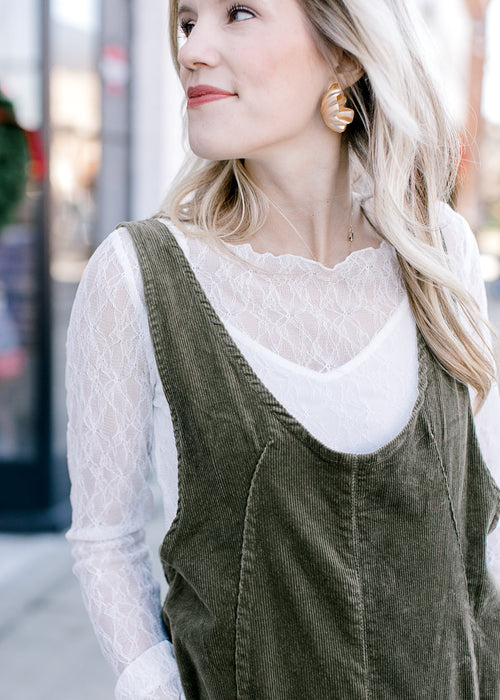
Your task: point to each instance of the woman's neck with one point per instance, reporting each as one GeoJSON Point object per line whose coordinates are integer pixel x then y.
{"type": "Point", "coordinates": [312, 208]}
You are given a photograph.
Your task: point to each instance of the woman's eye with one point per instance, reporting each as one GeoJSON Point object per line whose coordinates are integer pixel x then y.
{"type": "Point", "coordinates": [236, 13]}
{"type": "Point", "coordinates": [239, 14]}
{"type": "Point", "coordinates": [186, 26]}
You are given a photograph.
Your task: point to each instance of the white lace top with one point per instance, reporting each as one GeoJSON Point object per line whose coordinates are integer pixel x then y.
{"type": "Point", "coordinates": [337, 347]}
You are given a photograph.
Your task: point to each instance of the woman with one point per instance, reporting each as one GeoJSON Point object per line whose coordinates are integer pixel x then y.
{"type": "Point", "coordinates": [294, 349]}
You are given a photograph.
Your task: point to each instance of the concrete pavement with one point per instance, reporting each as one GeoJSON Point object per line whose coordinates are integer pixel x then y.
{"type": "Point", "coordinates": [47, 647]}
{"type": "Point", "coordinates": [48, 650]}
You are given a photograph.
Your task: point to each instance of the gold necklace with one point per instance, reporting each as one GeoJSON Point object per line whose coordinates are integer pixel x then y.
{"type": "Point", "coordinates": [350, 232]}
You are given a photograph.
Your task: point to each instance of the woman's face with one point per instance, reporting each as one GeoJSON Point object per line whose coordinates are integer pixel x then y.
{"type": "Point", "coordinates": [252, 75]}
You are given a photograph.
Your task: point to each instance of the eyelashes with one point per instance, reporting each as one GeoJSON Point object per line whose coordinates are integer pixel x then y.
{"type": "Point", "coordinates": [186, 27]}
{"type": "Point", "coordinates": [235, 10]}
{"type": "Point", "coordinates": [234, 14]}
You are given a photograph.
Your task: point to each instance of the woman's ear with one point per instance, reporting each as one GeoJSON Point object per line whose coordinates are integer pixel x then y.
{"type": "Point", "coordinates": [348, 69]}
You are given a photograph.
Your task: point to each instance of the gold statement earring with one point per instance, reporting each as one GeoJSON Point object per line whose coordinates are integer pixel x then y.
{"type": "Point", "coordinates": [333, 110]}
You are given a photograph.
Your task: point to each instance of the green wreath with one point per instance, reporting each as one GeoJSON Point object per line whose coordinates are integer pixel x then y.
{"type": "Point", "coordinates": [14, 160]}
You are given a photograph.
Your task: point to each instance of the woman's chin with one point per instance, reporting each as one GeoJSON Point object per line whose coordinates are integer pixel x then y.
{"type": "Point", "coordinates": [210, 152]}
{"type": "Point", "coordinates": [212, 146]}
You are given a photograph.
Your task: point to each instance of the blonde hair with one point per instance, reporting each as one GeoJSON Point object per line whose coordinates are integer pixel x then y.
{"type": "Point", "coordinates": [408, 150]}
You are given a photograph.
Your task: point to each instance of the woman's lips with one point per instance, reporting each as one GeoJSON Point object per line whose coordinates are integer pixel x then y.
{"type": "Point", "coordinates": [200, 94]}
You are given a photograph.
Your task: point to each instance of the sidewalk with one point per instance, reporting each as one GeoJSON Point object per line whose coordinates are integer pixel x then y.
{"type": "Point", "coordinates": [47, 646]}
{"type": "Point", "coordinates": [48, 650]}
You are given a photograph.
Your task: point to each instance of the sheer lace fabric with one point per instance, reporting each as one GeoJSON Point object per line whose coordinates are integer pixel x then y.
{"type": "Point", "coordinates": [336, 347]}
{"type": "Point", "coordinates": [313, 316]}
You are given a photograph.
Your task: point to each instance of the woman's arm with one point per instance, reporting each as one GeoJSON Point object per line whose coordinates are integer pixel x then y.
{"type": "Point", "coordinates": [110, 402]}
{"type": "Point", "coordinates": [465, 262]}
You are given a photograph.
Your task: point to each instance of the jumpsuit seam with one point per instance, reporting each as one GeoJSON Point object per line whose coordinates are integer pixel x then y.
{"type": "Point", "coordinates": [361, 604]}
{"type": "Point", "coordinates": [452, 510]}
{"type": "Point", "coordinates": [147, 275]}
{"type": "Point", "coordinates": [245, 554]}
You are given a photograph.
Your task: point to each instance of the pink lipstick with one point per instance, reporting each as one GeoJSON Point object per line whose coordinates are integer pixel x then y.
{"type": "Point", "coordinates": [200, 94]}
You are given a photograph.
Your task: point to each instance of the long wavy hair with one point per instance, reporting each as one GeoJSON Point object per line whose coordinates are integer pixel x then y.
{"type": "Point", "coordinates": [407, 148]}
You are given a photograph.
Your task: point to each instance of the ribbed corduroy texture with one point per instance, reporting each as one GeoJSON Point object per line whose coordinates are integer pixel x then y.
{"type": "Point", "coordinates": [300, 572]}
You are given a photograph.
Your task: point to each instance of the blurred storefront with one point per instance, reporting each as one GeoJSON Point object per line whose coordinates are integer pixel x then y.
{"type": "Point", "coordinates": [465, 56]}
{"type": "Point", "coordinates": [65, 67]}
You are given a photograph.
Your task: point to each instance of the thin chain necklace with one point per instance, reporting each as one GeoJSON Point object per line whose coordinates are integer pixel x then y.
{"type": "Point", "coordinates": [350, 232]}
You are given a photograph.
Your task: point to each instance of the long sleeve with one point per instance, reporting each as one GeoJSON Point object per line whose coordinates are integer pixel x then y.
{"type": "Point", "coordinates": [110, 404]}
{"type": "Point", "coordinates": [465, 262]}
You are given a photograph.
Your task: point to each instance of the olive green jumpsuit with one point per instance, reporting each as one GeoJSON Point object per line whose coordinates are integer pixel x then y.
{"type": "Point", "coordinates": [300, 573]}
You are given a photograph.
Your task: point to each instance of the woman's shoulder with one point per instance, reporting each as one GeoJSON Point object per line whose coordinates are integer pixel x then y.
{"type": "Point", "coordinates": [115, 263]}
{"type": "Point", "coordinates": [126, 236]}
{"type": "Point", "coordinates": [461, 244]}
{"type": "Point", "coordinates": [112, 275]}
{"type": "Point", "coordinates": [457, 233]}
{"type": "Point", "coordinates": [114, 252]}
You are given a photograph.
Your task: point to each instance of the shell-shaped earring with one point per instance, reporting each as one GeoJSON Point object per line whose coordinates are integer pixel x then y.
{"type": "Point", "coordinates": [333, 110]}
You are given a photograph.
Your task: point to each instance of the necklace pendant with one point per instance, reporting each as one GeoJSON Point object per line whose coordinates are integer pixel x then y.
{"type": "Point", "coordinates": [350, 235]}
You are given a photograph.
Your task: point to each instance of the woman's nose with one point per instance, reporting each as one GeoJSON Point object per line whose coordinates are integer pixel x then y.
{"type": "Point", "coordinates": [199, 48]}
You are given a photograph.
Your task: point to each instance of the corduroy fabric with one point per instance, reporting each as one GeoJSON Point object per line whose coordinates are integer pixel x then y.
{"type": "Point", "coordinates": [299, 572]}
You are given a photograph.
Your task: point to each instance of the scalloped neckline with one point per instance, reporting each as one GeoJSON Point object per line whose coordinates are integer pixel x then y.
{"type": "Point", "coordinates": [263, 258]}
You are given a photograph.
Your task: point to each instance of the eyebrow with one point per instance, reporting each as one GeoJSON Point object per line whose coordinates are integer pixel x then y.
{"type": "Point", "coordinates": [187, 8]}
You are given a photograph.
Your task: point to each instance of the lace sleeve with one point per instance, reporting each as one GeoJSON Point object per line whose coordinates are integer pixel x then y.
{"type": "Point", "coordinates": [110, 399]}
{"type": "Point", "coordinates": [465, 263]}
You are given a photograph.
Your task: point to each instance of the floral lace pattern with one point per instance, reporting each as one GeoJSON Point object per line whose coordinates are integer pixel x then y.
{"type": "Point", "coordinates": [315, 317]}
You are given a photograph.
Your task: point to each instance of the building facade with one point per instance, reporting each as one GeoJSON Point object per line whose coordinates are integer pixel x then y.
{"type": "Point", "coordinates": [92, 87]}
